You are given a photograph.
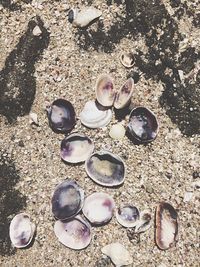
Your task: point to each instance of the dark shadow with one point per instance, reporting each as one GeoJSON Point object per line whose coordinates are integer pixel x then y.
{"type": "Point", "coordinates": [152, 21]}
{"type": "Point", "coordinates": [11, 202]}
{"type": "Point", "coordinates": [17, 81]}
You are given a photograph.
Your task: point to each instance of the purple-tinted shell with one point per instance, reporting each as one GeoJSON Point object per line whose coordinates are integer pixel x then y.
{"type": "Point", "coordinates": [67, 200]}
{"type": "Point", "coordinates": [61, 116]}
{"type": "Point", "coordinates": [127, 215]}
{"type": "Point", "coordinates": [143, 125]}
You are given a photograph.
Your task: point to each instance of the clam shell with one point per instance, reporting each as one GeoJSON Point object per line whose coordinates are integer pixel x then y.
{"type": "Point", "coordinates": [67, 200]}
{"type": "Point", "coordinates": [21, 230]}
{"type": "Point", "coordinates": [98, 208]}
{"type": "Point", "coordinates": [83, 17]}
{"type": "Point", "coordinates": [61, 116]}
{"type": "Point", "coordinates": [92, 117]}
{"type": "Point", "coordinates": [105, 168]}
{"type": "Point", "coordinates": [144, 222]}
{"type": "Point", "coordinates": [105, 92]}
{"type": "Point", "coordinates": [118, 254]}
{"type": "Point", "coordinates": [166, 225]}
{"type": "Point", "coordinates": [76, 148]}
{"type": "Point", "coordinates": [143, 125]}
{"type": "Point", "coordinates": [74, 234]}
{"type": "Point", "coordinates": [124, 95]}
{"type": "Point", "coordinates": [127, 59]}
{"type": "Point", "coordinates": [127, 216]}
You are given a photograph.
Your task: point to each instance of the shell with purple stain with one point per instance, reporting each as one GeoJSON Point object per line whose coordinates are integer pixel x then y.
{"type": "Point", "coordinates": [76, 148]}
{"type": "Point", "coordinates": [128, 215]}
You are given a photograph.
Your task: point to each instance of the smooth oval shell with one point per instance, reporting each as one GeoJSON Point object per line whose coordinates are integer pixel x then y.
{"type": "Point", "coordinates": [61, 116]}
{"type": "Point", "coordinates": [92, 117]}
{"type": "Point", "coordinates": [143, 125]}
{"type": "Point", "coordinates": [105, 168]}
{"type": "Point", "coordinates": [117, 131]}
{"type": "Point", "coordinates": [166, 225]}
{"type": "Point", "coordinates": [118, 254]}
{"type": "Point", "coordinates": [127, 215]}
{"type": "Point", "coordinates": [127, 59]}
{"type": "Point", "coordinates": [76, 148]}
{"type": "Point", "coordinates": [105, 92]}
{"type": "Point", "coordinates": [74, 234]}
{"type": "Point", "coordinates": [98, 208]}
{"type": "Point", "coordinates": [21, 230]}
{"type": "Point", "coordinates": [67, 200]}
{"type": "Point", "coordinates": [124, 95]}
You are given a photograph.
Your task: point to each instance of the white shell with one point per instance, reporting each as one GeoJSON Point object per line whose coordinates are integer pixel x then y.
{"type": "Point", "coordinates": [75, 234]}
{"type": "Point", "coordinates": [76, 148]}
{"type": "Point", "coordinates": [92, 117]}
{"type": "Point", "coordinates": [85, 16]}
{"type": "Point", "coordinates": [144, 223]}
{"type": "Point", "coordinates": [117, 131]}
{"type": "Point", "coordinates": [21, 230]}
{"type": "Point", "coordinates": [118, 254]}
{"type": "Point", "coordinates": [98, 208]}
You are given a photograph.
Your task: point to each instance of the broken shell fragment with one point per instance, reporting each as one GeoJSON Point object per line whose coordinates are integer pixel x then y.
{"type": "Point", "coordinates": [76, 148]}
{"type": "Point", "coordinates": [118, 254]}
{"type": "Point", "coordinates": [117, 131]}
{"type": "Point", "coordinates": [144, 222]}
{"type": "Point", "coordinates": [124, 95]}
{"type": "Point", "coordinates": [105, 92]}
{"type": "Point", "coordinates": [98, 208]}
{"type": "Point", "coordinates": [143, 125]}
{"type": "Point", "coordinates": [127, 59]}
{"type": "Point", "coordinates": [92, 117]}
{"type": "Point", "coordinates": [83, 17]}
{"type": "Point", "coordinates": [105, 168]}
{"type": "Point", "coordinates": [74, 234]}
{"type": "Point", "coordinates": [21, 230]}
{"type": "Point", "coordinates": [127, 216]}
{"type": "Point", "coordinates": [61, 115]}
{"type": "Point", "coordinates": [166, 225]}
{"type": "Point", "coordinates": [67, 200]}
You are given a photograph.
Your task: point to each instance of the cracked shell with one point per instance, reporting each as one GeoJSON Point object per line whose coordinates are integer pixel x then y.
{"type": "Point", "coordinates": [166, 226]}
{"type": "Point", "coordinates": [76, 148]}
{"type": "Point", "coordinates": [105, 168]}
{"type": "Point", "coordinates": [127, 216]}
{"type": "Point", "coordinates": [61, 116]}
{"type": "Point", "coordinates": [21, 230]}
{"type": "Point", "coordinates": [74, 234]}
{"type": "Point", "coordinates": [143, 125]}
{"type": "Point", "coordinates": [67, 200]}
{"type": "Point", "coordinates": [98, 208]}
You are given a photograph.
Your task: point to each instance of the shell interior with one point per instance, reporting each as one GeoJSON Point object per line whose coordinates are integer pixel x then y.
{"type": "Point", "coordinates": [75, 234]}
{"type": "Point", "coordinates": [166, 225]}
{"type": "Point", "coordinates": [127, 60]}
{"type": "Point", "coordinates": [98, 208]}
{"type": "Point", "coordinates": [143, 124]}
{"type": "Point", "coordinates": [21, 230]}
{"type": "Point", "coordinates": [106, 169]}
{"type": "Point", "coordinates": [67, 200]}
{"type": "Point", "coordinates": [76, 148]}
{"type": "Point", "coordinates": [105, 91]}
{"type": "Point", "coordinates": [127, 216]}
{"type": "Point", "coordinates": [144, 222]}
{"type": "Point", "coordinates": [124, 95]}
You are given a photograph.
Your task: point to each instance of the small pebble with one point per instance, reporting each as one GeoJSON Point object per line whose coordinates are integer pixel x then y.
{"type": "Point", "coordinates": [37, 31]}
{"type": "Point", "coordinates": [117, 131]}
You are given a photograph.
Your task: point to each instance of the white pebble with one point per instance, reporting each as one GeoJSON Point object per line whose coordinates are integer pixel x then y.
{"type": "Point", "coordinates": [117, 131]}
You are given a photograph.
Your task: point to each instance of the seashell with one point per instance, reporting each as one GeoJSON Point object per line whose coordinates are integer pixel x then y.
{"type": "Point", "coordinates": [107, 95]}
{"type": "Point", "coordinates": [127, 59]}
{"type": "Point", "coordinates": [118, 254]}
{"type": "Point", "coordinates": [67, 200]}
{"type": "Point", "coordinates": [143, 125]}
{"type": "Point", "coordinates": [127, 216]}
{"type": "Point", "coordinates": [166, 225]}
{"type": "Point", "coordinates": [61, 116]}
{"type": "Point", "coordinates": [92, 117]}
{"type": "Point", "coordinates": [98, 208]}
{"type": "Point", "coordinates": [84, 16]}
{"type": "Point", "coordinates": [105, 168]}
{"type": "Point", "coordinates": [76, 148]}
{"type": "Point", "coordinates": [74, 234]}
{"type": "Point", "coordinates": [21, 230]}
{"type": "Point", "coordinates": [144, 222]}
{"type": "Point", "coordinates": [117, 131]}
{"type": "Point", "coordinates": [124, 95]}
